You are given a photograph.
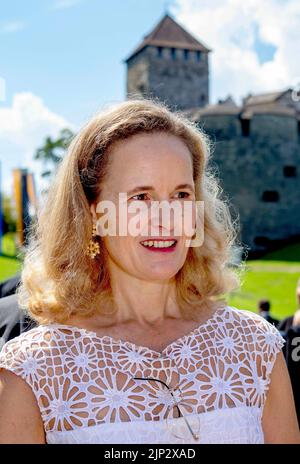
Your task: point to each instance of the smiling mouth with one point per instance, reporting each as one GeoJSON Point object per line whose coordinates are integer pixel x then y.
{"type": "Point", "coordinates": [159, 245]}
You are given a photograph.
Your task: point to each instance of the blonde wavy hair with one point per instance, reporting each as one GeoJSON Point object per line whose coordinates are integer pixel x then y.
{"type": "Point", "coordinates": [59, 280]}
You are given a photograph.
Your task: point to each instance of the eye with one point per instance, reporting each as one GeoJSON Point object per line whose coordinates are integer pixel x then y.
{"type": "Point", "coordinates": [139, 195]}
{"type": "Point", "coordinates": [187, 194]}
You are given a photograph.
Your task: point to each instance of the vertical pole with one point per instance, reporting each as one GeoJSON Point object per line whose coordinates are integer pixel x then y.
{"type": "Point", "coordinates": [1, 213]}
{"type": "Point", "coordinates": [18, 198]}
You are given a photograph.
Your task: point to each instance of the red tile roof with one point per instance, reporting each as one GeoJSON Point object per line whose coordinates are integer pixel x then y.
{"type": "Point", "coordinates": [168, 33]}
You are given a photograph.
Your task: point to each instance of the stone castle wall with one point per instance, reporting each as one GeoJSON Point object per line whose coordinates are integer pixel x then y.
{"type": "Point", "coordinates": [181, 82]}
{"type": "Point", "coordinates": [267, 160]}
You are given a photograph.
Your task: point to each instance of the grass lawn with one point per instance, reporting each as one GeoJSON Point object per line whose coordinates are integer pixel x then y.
{"type": "Point", "coordinates": [274, 277]}
{"type": "Point", "coordinates": [8, 267]}
{"type": "Point", "coordinates": [9, 264]}
{"type": "Point", "coordinates": [8, 245]}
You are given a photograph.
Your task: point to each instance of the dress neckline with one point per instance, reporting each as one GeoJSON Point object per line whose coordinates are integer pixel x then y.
{"type": "Point", "coordinates": [134, 346]}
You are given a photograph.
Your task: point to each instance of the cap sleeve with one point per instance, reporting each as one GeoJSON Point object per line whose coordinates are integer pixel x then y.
{"type": "Point", "coordinates": [14, 357]}
{"type": "Point", "coordinates": [23, 356]}
{"type": "Point", "coordinates": [267, 343]}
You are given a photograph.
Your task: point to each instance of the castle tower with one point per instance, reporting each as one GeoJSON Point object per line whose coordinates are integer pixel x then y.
{"type": "Point", "coordinates": [170, 64]}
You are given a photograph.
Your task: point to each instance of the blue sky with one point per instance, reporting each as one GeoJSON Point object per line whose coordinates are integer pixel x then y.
{"type": "Point", "coordinates": [72, 56]}
{"type": "Point", "coordinates": [62, 60]}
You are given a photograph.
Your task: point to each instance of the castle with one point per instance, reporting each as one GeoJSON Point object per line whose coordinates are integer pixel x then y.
{"type": "Point", "coordinates": [256, 145]}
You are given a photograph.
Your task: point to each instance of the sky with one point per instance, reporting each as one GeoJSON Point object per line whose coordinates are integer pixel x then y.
{"type": "Point", "coordinates": [63, 60]}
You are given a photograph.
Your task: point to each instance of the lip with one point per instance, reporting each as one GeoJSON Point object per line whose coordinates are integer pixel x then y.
{"type": "Point", "coordinates": [160, 239]}
{"type": "Point", "coordinates": [160, 250]}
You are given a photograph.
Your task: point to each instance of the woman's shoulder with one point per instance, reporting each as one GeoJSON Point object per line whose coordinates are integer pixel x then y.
{"type": "Point", "coordinates": [23, 353]}
{"type": "Point", "coordinates": [31, 335]}
{"type": "Point", "coordinates": [259, 334]}
{"type": "Point", "coordinates": [247, 318]}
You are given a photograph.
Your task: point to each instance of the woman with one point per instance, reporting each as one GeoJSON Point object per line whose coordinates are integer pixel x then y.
{"type": "Point", "coordinates": [134, 344]}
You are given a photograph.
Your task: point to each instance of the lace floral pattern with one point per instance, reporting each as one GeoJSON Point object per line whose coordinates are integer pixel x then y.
{"type": "Point", "coordinates": [82, 381]}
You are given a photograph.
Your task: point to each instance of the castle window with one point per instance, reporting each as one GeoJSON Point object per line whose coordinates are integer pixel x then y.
{"type": "Point", "coordinates": [245, 126]}
{"type": "Point", "coordinates": [202, 99]}
{"type": "Point", "coordinates": [198, 55]}
{"type": "Point", "coordinates": [289, 171]}
{"type": "Point", "coordinates": [261, 241]}
{"type": "Point", "coordinates": [270, 196]}
{"type": "Point", "coordinates": [159, 52]}
{"type": "Point", "coordinates": [186, 54]}
{"type": "Point", "coordinates": [173, 53]}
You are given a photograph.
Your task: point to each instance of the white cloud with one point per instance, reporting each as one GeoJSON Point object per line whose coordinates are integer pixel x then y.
{"type": "Point", "coordinates": [23, 127]}
{"type": "Point", "coordinates": [228, 27]}
{"type": "Point", "coordinates": [64, 4]}
{"type": "Point", "coordinates": [10, 27]}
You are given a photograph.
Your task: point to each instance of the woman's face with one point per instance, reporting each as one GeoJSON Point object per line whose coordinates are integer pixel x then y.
{"type": "Point", "coordinates": [163, 164]}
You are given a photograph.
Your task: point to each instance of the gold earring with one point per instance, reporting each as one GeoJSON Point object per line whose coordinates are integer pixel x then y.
{"type": "Point", "coordinates": [93, 248]}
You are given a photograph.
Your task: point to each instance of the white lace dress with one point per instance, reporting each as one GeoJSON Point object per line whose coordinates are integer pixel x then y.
{"type": "Point", "coordinates": [84, 385]}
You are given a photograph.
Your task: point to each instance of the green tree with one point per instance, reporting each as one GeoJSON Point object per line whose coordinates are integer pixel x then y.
{"type": "Point", "coordinates": [9, 214]}
{"type": "Point", "coordinates": [53, 151]}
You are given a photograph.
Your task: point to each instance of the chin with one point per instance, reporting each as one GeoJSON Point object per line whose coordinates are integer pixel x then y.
{"type": "Point", "coordinates": [160, 274]}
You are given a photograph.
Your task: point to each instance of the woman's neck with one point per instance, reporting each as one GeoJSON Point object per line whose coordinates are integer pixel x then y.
{"type": "Point", "coordinates": [147, 303]}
